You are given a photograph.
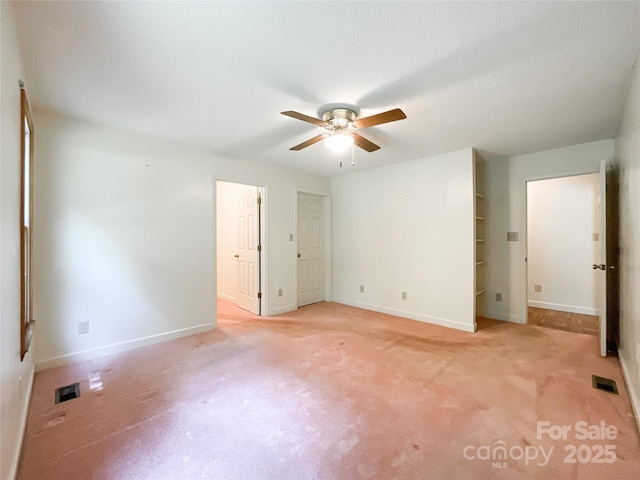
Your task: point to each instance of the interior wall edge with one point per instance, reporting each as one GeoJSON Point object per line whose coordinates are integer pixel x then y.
{"type": "Point", "coordinates": [442, 322]}
{"type": "Point", "coordinates": [115, 348]}
{"type": "Point", "coordinates": [13, 471]}
{"type": "Point", "coordinates": [635, 400]}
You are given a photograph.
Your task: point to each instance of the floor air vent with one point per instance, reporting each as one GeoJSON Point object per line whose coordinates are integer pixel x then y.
{"type": "Point", "coordinates": [605, 384]}
{"type": "Point", "coordinates": [68, 392]}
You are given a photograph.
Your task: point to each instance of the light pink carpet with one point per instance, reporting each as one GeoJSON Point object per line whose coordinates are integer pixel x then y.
{"type": "Point", "coordinates": [334, 392]}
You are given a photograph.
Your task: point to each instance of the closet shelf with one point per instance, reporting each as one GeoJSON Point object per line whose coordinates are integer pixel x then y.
{"type": "Point", "coordinates": [480, 196]}
{"type": "Point", "coordinates": [480, 262]}
{"type": "Point", "coordinates": [480, 218]}
{"type": "Point", "coordinates": [480, 291]}
{"type": "Point", "coordinates": [480, 240]}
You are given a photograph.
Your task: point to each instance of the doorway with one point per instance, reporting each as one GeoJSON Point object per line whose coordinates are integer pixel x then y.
{"type": "Point", "coordinates": [563, 242]}
{"type": "Point", "coordinates": [239, 239]}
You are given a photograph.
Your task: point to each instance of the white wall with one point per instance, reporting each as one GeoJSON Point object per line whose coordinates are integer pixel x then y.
{"type": "Point", "coordinates": [407, 227]}
{"type": "Point", "coordinates": [16, 377]}
{"type": "Point", "coordinates": [627, 148]}
{"type": "Point", "coordinates": [227, 238]}
{"type": "Point", "coordinates": [126, 237]}
{"type": "Point", "coordinates": [506, 211]}
{"type": "Point", "coordinates": [562, 216]}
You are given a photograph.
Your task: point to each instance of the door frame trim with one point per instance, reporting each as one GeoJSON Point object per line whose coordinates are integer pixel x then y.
{"type": "Point", "coordinates": [264, 267]}
{"type": "Point", "coordinates": [524, 284]}
{"type": "Point", "coordinates": [326, 214]}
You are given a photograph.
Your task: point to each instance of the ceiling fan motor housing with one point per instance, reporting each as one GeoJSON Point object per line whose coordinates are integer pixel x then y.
{"type": "Point", "coordinates": [340, 119]}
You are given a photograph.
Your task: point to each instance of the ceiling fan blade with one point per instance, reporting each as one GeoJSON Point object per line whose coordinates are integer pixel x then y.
{"type": "Point", "coordinates": [305, 118]}
{"type": "Point", "coordinates": [363, 143]}
{"type": "Point", "coordinates": [380, 118]}
{"type": "Point", "coordinates": [311, 141]}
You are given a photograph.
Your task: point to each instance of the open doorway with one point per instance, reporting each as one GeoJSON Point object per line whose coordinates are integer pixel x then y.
{"type": "Point", "coordinates": [239, 239]}
{"type": "Point", "coordinates": [563, 243]}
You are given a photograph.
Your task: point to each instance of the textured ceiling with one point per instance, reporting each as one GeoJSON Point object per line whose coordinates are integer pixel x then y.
{"type": "Point", "coordinates": [504, 77]}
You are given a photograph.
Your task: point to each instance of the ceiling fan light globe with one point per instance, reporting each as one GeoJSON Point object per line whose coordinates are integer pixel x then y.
{"type": "Point", "coordinates": [338, 143]}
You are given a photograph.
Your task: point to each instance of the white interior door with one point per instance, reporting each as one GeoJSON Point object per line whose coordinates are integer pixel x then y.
{"type": "Point", "coordinates": [310, 249]}
{"type": "Point", "coordinates": [248, 254]}
{"type": "Point", "coordinates": [602, 266]}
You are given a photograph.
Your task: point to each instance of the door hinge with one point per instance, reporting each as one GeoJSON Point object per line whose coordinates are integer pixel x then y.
{"type": "Point", "coordinates": [259, 248]}
{"type": "Point", "coordinates": [259, 200]}
{"type": "Point", "coordinates": [259, 294]}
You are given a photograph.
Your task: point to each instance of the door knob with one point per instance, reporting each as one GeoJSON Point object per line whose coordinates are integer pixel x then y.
{"type": "Point", "coordinates": [611, 267]}
{"type": "Point", "coordinates": [299, 255]}
{"type": "Point", "coordinates": [602, 266]}
{"type": "Point", "coordinates": [236, 256]}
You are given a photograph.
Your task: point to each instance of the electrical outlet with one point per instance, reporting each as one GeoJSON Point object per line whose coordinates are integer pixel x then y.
{"type": "Point", "coordinates": [279, 292]}
{"type": "Point", "coordinates": [498, 297]}
{"type": "Point", "coordinates": [538, 288]}
{"type": "Point", "coordinates": [361, 288]}
{"type": "Point", "coordinates": [512, 236]}
{"type": "Point", "coordinates": [404, 295]}
{"type": "Point", "coordinates": [83, 327]}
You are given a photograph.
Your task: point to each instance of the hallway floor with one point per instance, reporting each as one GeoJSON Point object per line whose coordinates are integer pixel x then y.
{"type": "Point", "coordinates": [335, 392]}
{"type": "Point", "coordinates": [567, 321]}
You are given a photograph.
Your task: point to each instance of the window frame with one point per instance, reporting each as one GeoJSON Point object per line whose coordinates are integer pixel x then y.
{"type": "Point", "coordinates": [26, 228]}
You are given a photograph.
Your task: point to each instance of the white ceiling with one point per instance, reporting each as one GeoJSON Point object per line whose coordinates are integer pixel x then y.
{"type": "Point", "coordinates": [505, 77]}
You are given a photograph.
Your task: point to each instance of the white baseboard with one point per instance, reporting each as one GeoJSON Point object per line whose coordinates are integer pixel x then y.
{"type": "Point", "coordinates": [13, 472]}
{"type": "Point", "coordinates": [290, 308]}
{"type": "Point", "coordinates": [501, 316]}
{"type": "Point", "coordinates": [563, 308]}
{"type": "Point", "coordinates": [633, 396]}
{"type": "Point", "coordinates": [227, 297]}
{"type": "Point", "coordinates": [280, 310]}
{"type": "Point", "coordinates": [443, 322]}
{"type": "Point", "coordinates": [121, 347]}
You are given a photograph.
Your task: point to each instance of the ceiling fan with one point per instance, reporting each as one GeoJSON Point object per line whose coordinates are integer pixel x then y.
{"type": "Point", "coordinates": [342, 125]}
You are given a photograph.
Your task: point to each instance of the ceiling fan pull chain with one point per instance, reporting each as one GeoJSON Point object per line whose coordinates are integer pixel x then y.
{"type": "Point", "coordinates": [353, 155]}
